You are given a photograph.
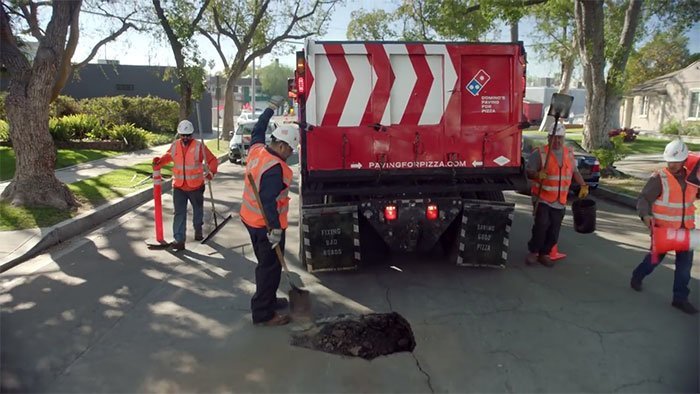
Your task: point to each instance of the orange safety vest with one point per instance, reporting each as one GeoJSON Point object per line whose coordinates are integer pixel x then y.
{"type": "Point", "coordinates": [556, 186]}
{"type": "Point", "coordinates": [188, 171]}
{"type": "Point", "coordinates": [674, 208]}
{"type": "Point", "coordinates": [260, 160]}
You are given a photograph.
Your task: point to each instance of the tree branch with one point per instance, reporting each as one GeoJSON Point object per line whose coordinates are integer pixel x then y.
{"type": "Point", "coordinates": [196, 20]}
{"type": "Point", "coordinates": [126, 26]}
{"type": "Point", "coordinates": [216, 44]}
{"type": "Point", "coordinates": [65, 68]}
{"type": "Point", "coordinates": [11, 56]}
{"type": "Point", "coordinates": [32, 19]}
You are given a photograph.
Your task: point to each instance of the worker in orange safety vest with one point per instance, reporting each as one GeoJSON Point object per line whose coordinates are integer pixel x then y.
{"type": "Point", "coordinates": [190, 157]}
{"type": "Point", "coordinates": [550, 203]}
{"type": "Point", "coordinates": [273, 177]}
{"type": "Point", "coordinates": [667, 201]}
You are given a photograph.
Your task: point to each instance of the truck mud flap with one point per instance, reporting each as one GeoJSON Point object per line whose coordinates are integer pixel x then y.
{"type": "Point", "coordinates": [484, 233]}
{"type": "Point", "coordinates": [330, 238]}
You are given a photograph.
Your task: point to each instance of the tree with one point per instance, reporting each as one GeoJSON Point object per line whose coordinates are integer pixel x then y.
{"type": "Point", "coordinates": [256, 27]}
{"type": "Point", "coordinates": [607, 32]}
{"type": "Point", "coordinates": [555, 37]}
{"type": "Point", "coordinates": [665, 53]}
{"type": "Point", "coordinates": [180, 22]}
{"type": "Point", "coordinates": [371, 25]}
{"type": "Point", "coordinates": [273, 78]}
{"type": "Point", "coordinates": [33, 84]}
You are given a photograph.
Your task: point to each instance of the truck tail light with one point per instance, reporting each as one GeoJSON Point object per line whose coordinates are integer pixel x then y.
{"type": "Point", "coordinates": [300, 72]}
{"type": "Point", "coordinates": [390, 213]}
{"type": "Point", "coordinates": [432, 212]}
{"type": "Point", "coordinates": [596, 166]}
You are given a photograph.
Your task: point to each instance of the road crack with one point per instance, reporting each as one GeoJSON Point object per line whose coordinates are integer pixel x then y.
{"type": "Point", "coordinates": [427, 375]}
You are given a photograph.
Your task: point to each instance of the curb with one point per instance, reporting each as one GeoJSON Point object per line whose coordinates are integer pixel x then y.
{"type": "Point", "coordinates": [87, 221]}
{"type": "Point", "coordinates": [619, 198]}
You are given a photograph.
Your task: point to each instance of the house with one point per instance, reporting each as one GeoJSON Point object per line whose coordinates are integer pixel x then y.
{"type": "Point", "coordinates": [662, 100]}
{"type": "Point", "coordinates": [241, 93]}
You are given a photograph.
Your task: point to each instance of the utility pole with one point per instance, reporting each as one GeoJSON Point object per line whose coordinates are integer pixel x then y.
{"type": "Point", "coordinates": [252, 89]}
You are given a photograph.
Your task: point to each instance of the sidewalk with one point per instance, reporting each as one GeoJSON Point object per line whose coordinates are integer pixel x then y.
{"type": "Point", "coordinates": [20, 245]}
{"type": "Point", "coordinates": [640, 166]}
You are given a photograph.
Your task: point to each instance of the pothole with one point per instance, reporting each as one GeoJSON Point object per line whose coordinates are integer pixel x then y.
{"type": "Point", "coordinates": [367, 336]}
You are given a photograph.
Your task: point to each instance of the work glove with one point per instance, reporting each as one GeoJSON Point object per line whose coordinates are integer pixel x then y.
{"type": "Point", "coordinates": [209, 176]}
{"type": "Point", "coordinates": [274, 236]}
{"type": "Point", "coordinates": [583, 193]}
{"type": "Point", "coordinates": [156, 161]}
{"type": "Point", "coordinates": [542, 175]}
{"type": "Point", "coordinates": [276, 102]}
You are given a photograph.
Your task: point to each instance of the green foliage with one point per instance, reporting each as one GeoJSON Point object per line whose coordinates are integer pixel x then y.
{"type": "Point", "coordinates": [3, 114]}
{"type": "Point", "coordinates": [371, 25]}
{"type": "Point", "coordinates": [150, 113]}
{"type": "Point", "coordinates": [75, 127]}
{"type": "Point", "coordinates": [63, 106]}
{"type": "Point", "coordinates": [666, 52]}
{"type": "Point", "coordinates": [4, 131]}
{"type": "Point", "coordinates": [274, 79]}
{"type": "Point", "coordinates": [615, 152]}
{"type": "Point", "coordinates": [135, 137]}
{"type": "Point", "coordinates": [677, 128]}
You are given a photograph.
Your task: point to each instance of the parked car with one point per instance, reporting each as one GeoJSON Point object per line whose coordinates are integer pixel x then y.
{"type": "Point", "coordinates": [588, 165]}
{"type": "Point", "coordinates": [240, 142]}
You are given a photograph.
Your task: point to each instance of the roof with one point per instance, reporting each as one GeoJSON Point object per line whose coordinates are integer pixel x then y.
{"type": "Point", "coordinates": [657, 86]}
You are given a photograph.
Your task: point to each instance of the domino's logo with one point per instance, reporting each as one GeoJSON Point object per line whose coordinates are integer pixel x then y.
{"type": "Point", "coordinates": [478, 82]}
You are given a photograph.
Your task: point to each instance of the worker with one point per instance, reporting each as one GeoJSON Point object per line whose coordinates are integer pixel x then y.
{"type": "Point", "coordinates": [553, 167]}
{"type": "Point", "coordinates": [667, 201]}
{"type": "Point", "coordinates": [273, 178]}
{"type": "Point", "coordinates": [189, 172]}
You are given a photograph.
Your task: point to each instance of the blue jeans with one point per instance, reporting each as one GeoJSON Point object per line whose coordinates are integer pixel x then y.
{"type": "Point", "coordinates": [267, 275]}
{"type": "Point", "coordinates": [681, 277]}
{"type": "Point", "coordinates": [196, 198]}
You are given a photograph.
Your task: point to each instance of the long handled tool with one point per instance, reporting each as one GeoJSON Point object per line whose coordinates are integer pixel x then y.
{"type": "Point", "coordinates": [299, 299]}
{"type": "Point", "coordinates": [217, 226]}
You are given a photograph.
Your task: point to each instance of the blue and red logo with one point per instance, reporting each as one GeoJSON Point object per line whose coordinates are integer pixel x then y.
{"type": "Point", "coordinates": [478, 82]}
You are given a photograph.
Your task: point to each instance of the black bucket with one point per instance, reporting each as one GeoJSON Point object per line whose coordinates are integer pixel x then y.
{"type": "Point", "coordinates": [584, 216]}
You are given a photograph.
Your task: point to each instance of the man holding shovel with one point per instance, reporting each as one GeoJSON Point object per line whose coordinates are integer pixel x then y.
{"type": "Point", "coordinates": [551, 169]}
{"type": "Point", "coordinates": [267, 165]}
{"type": "Point", "coordinates": [188, 155]}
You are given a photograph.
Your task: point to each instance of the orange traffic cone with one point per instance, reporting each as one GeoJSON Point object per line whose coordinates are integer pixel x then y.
{"type": "Point", "coordinates": [667, 239]}
{"type": "Point", "coordinates": [555, 255]}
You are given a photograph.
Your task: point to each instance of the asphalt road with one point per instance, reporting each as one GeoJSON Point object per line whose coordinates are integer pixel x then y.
{"type": "Point", "coordinates": [105, 314]}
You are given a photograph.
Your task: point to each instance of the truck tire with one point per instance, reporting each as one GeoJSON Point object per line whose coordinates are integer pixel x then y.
{"type": "Point", "coordinates": [491, 196]}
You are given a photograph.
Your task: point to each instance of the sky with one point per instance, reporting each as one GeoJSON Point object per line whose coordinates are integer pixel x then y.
{"type": "Point", "coordinates": [142, 49]}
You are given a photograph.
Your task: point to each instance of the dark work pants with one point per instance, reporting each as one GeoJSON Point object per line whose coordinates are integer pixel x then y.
{"type": "Point", "coordinates": [267, 275]}
{"type": "Point", "coordinates": [681, 276]}
{"type": "Point", "coordinates": [545, 230]}
{"type": "Point", "coordinates": [180, 198]}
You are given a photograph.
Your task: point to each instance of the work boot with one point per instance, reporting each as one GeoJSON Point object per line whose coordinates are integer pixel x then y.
{"type": "Point", "coordinates": [177, 246]}
{"type": "Point", "coordinates": [281, 303]}
{"type": "Point", "coordinates": [636, 284]}
{"type": "Point", "coordinates": [531, 259]}
{"type": "Point", "coordinates": [685, 306]}
{"type": "Point", "coordinates": [277, 320]}
{"type": "Point", "coordinates": [198, 235]}
{"type": "Point", "coordinates": [545, 260]}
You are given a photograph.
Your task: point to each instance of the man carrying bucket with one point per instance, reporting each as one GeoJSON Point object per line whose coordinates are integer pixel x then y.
{"type": "Point", "coordinates": [667, 201]}
{"type": "Point", "coordinates": [552, 169]}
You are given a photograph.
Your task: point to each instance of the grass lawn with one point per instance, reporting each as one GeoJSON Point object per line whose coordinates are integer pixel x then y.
{"type": "Point", "coordinates": [642, 145]}
{"type": "Point", "coordinates": [64, 158]}
{"type": "Point", "coordinates": [90, 193]}
{"type": "Point", "coordinates": [628, 186]}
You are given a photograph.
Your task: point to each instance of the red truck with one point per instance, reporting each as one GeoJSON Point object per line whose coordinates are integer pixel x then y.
{"type": "Point", "coordinates": [408, 146]}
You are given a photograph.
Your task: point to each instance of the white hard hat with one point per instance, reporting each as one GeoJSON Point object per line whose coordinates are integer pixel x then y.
{"type": "Point", "coordinates": [185, 127]}
{"type": "Point", "coordinates": [676, 151]}
{"type": "Point", "coordinates": [287, 133]}
{"type": "Point", "coordinates": [560, 130]}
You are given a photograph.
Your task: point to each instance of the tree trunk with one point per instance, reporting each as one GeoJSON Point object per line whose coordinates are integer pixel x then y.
{"type": "Point", "coordinates": [590, 26]}
{"type": "Point", "coordinates": [185, 99]}
{"type": "Point", "coordinates": [514, 31]}
{"type": "Point", "coordinates": [567, 71]}
{"type": "Point", "coordinates": [237, 68]}
{"type": "Point", "coordinates": [35, 182]}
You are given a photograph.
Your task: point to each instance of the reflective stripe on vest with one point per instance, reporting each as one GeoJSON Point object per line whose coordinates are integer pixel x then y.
{"type": "Point", "coordinates": [260, 160]}
{"type": "Point", "coordinates": [555, 187]}
{"type": "Point", "coordinates": [674, 208]}
{"type": "Point", "coordinates": [187, 166]}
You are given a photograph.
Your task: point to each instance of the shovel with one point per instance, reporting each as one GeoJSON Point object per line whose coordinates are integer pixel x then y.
{"type": "Point", "coordinates": [299, 299]}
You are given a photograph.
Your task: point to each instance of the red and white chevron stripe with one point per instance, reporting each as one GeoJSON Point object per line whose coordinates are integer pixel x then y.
{"type": "Point", "coordinates": [350, 84]}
